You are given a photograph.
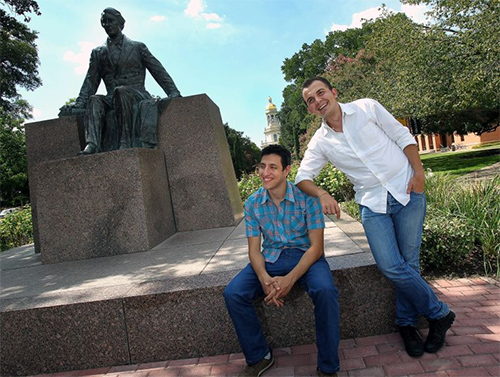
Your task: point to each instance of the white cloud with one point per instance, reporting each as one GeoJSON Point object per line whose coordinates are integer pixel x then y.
{"type": "Point", "coordinates": [196, 10]}
{"type": "Point", "coordinates": [158, 18]}
{"type": "Point", "coordinates": [415, 12]}
{"type": "Point", "coordinates": [81, 59]}
{"type": "Point", "coordinates": [357, 19]}
{"type": "Point", "coordinates": [37, 113]}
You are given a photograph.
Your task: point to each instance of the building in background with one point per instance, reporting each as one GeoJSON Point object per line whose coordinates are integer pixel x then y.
{"type": "Point", "coordinates": [272, 131]}
{"type": "Point", "coordinates": [445, 142]}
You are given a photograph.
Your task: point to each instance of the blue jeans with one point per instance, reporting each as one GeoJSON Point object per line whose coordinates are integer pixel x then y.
{"type": "Point", "coordinates": [317, 281]}
{"type": "Point", "coordinates": [395, 239]}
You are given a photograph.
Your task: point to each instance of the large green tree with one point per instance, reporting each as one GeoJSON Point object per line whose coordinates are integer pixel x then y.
{"type": "Point", "coordinates": [244, 153]}
{"type": "Point", "coordinates": [18, 52]}
{"type": "Point", "coordinates": [312, 60]}
{"type": "Point", "coordinates": [14, 189]}
{"type": "Point", "coordinates": [444, 74]}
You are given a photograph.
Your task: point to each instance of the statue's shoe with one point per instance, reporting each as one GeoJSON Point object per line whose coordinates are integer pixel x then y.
{"type": "Point", "coordinates": [89, 149]}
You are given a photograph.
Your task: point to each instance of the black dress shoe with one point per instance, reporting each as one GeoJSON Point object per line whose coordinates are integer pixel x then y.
{"type": "Point", "coordinates": [89, 149]}
{"type": "Point", "coordinates": [437, 332]}
{"type": "Point", "coordinates": [414, 344]}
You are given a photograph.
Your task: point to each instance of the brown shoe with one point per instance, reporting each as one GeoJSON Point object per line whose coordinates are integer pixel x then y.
{"type": "Point", "coordinates": [256, 370]}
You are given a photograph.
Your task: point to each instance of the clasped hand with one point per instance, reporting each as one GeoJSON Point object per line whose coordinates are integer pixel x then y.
{"type": "Point", "coordinates": [276, 288]}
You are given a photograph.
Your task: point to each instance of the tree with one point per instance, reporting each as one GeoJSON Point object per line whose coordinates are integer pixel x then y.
{"type": "Point", "coordinates": [14, 189]}
{"type": "Point", "coordinates": [18, 53]}
{"type": "Point", "coordinates": [244, 153]}
{"type": "Point", "coordinates": [311, 60]}
{"type": "Point", "coordinates": [433, 73]}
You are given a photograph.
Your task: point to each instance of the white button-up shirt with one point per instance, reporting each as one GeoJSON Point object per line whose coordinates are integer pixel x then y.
{"type": "Point", "coordinates": [369, 151]}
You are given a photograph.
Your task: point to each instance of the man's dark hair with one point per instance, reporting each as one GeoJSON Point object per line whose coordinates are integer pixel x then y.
{"type": "Point", "coordinates": [115, 13]}
{"type": "Point", "coordinates": [308, 82]}
{"type": "Point", "coordinates": [286, 157]}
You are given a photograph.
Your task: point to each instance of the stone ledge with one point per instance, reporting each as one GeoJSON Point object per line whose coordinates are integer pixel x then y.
{"type": "Point", "coordinates": [171, 319]}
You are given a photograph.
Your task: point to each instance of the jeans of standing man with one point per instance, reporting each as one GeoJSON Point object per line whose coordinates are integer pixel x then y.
{"type": "Point", "coordinates": [394, 239]}
{"type": "Point", "coordinates": [317, 281]}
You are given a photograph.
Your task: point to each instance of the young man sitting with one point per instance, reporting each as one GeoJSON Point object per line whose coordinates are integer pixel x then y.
{"type": "Point", "coordinates": [292, 226]}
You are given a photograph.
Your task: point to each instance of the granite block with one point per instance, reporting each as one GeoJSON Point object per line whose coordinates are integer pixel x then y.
{"type": "Point", "coordinates": [178, 325]}
{"type": "Point", "coordinates": [46, 141]}
{"type": "Point", "coordinates": [106, 204]}
{"type": "Point", "coordinates": [200, 171]}
{"type": "Point", "coordinates": [62, 338]}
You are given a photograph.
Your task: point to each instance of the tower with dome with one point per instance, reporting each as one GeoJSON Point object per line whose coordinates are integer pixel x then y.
{"type": "Point", "coordinates": [272, 131]}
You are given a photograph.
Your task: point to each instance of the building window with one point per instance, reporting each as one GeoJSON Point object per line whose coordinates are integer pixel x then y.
{"type": "Point", "coordinates": [462, 138]}
{"type": "Point", "coordinates": [431, 141]}
{"type": "Point", "coordinates": [275, 137]}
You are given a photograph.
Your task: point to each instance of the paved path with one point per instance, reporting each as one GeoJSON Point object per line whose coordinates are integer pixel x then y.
{"type": "Point", "coordinates": [472, 347]}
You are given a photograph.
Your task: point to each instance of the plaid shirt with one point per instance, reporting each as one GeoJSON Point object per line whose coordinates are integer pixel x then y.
{"type": "Point", "coordinates": [284, 227]}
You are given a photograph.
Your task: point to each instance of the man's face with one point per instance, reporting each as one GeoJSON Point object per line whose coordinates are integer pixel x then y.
{"type": "Point", "coordinates": [320, 100]}
{"type": "Point", "coordinates": [271, 171]}
{"type": "Point", "coordinates": [111, 25]}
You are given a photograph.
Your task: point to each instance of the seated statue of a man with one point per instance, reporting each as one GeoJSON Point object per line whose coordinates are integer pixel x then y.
{"type": "Point", "coordinates": [126, 116]}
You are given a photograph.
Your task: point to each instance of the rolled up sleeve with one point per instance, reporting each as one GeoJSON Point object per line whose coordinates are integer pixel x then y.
{"type": "Point", "coordinates": [314, 160]}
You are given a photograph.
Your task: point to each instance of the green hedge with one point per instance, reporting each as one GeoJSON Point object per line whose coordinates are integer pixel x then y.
{"type": "Point", "coordinates": [461, 232]}
{"type": "Point", "coordinates": [16, 229]}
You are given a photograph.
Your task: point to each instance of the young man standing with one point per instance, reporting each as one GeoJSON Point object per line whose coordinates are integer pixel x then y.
{"type": "Point", "coordinates": [292, 225]}
{"type": "Point", "coordinates": [380, 158]}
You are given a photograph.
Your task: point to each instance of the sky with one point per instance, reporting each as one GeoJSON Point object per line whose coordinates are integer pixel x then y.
{"type": "Point", "coordinates": [231, 50]}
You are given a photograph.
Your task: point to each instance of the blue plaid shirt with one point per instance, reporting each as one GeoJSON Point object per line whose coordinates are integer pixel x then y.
{"type": "Point", "coordinates": [284, 227]}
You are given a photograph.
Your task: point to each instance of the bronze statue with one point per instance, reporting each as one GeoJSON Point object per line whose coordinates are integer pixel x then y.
{"type": "Point", "coordinates": [126, 116]}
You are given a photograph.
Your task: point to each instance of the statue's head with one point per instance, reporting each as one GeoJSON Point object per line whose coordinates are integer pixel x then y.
{"type": "Point", "coordinates": [112, 21]}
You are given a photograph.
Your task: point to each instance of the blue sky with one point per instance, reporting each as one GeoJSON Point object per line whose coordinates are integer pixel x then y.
{"type": "Point", "coordinates": [232, 50]}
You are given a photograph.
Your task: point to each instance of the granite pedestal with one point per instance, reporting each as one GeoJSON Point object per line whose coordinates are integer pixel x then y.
{"type": "Point", "coordinates": [130, 200]}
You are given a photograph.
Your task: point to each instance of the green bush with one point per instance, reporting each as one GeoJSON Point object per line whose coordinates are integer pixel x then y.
{"type": "Point", "coordinates": [329, 179]}
{"type": "Point", "coordinates": [448, 246]}
{"type": "Point", "coordinates": [16, 229]}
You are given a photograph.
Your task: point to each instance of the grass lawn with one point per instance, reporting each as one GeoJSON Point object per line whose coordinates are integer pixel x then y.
{"type": "Point", "coordinates": [461, 162]}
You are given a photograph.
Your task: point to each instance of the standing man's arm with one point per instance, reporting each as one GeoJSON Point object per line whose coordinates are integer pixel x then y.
{"type": "Point", "coordinates": [416, 183]}
{"type": "Point", "coordinates": [314, 160]}
{"type": "Point", "coordinates": [315, 251]}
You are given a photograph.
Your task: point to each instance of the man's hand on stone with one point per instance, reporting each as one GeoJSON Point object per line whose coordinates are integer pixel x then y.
{"type": "Point", "coordinates": [329, 205]}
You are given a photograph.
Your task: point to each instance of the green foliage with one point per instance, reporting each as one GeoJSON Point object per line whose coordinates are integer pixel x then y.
{"type": "Point", "coordinates": [475, 204]}
{"type": "Point", "coordinates": [14, 189]}
{"type": "Point", "coordinates": [461, 232]}
{"type": "Point", "coordinates": [329, 179]}
{"type": "Point", "coordinates": [19, 55]}
{"type": "Point", "coordinates": [16, 229]}
{"type": "Point", "coordinates": [448, 245]}
{"type": "Point", "coordinates": [244, 153]}
{"type": "Point", "coordinates": [311, 60]}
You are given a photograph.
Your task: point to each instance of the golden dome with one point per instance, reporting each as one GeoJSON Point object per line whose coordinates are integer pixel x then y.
{"type": "Point", "coordinates": [270, 105]}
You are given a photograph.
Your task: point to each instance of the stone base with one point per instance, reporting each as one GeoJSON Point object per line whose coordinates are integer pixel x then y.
{"type": "Point", "coordinates": [101, 205]}
{"type": "Point", "coordinates": [171, 319]}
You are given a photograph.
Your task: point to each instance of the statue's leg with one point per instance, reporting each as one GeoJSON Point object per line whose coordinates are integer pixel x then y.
{"type": "Point", "coordinates": [94, 122]}
{"type": "Point", "coordinates": [125, 102]}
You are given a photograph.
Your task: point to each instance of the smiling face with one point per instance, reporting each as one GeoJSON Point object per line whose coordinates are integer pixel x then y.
{"type": "Point", "coordinates": [321, 100]}
{"type": "Point", "coordinates": [271, 172]}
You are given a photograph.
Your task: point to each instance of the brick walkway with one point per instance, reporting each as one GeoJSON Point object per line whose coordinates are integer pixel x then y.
{"type": "Point", "coordinates": [472, 347]}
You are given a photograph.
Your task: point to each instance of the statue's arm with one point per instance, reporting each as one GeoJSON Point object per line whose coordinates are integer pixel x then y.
{"type": "Point", "coordinates": [89, 88]}
{"type": "Point", "coordinates": [158, 72]}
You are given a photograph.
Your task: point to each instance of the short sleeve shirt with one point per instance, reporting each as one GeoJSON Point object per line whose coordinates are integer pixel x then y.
{"type": "Point", "coordinates": [285, 227]}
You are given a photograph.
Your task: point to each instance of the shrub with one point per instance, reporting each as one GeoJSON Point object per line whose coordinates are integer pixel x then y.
{"type": "Point", "coordinates": [448, 246]}
{"type": "Point", "coordinates": [16, 229]}
{"type": "Point", "coordinates": [329, 179]}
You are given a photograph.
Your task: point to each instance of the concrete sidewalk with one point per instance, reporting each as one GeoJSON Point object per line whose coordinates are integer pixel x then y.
{"type": "Point", "coordinates": [472, 347]}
